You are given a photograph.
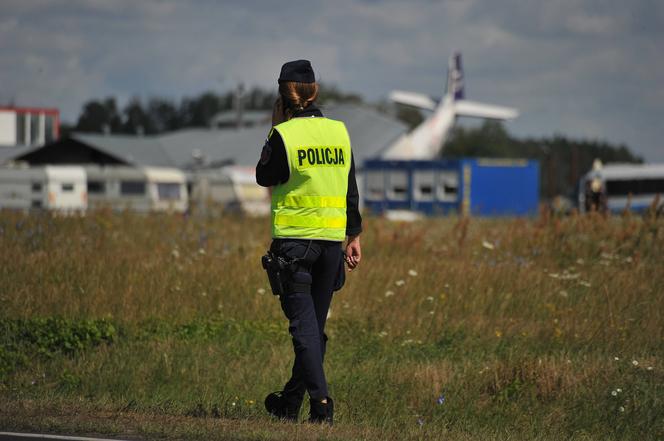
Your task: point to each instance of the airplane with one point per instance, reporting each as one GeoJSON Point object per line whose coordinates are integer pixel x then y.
{"type": "Point", "coordinates": [426, 140]}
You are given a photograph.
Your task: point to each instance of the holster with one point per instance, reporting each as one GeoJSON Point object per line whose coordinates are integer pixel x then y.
{"type": "Point", "coordinates": [277, 269]}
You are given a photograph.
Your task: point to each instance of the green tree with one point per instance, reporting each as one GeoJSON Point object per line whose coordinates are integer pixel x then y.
{"type": "Point", "coordinates": [99, 116]}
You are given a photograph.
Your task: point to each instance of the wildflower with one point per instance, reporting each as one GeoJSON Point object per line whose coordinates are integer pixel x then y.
{"type": "Point", "coordinates": [420, 422]}
{"type": "Point", "coordinates": [498, 333]}
{"type": "Point", "coordinates": [635, 363]}
{"type": "Point", "coordinates": [614, 393]}
{"type": "Point", "coordinates": [201, 251]}
{"type": "Point", "coordinates": [616, 358]}
{"type": "Point", "coordinates": [260, 291]}
{"type": "Point", "coordinates": [584, 283]}
{"type": "Point", "coordinates": [432, 312]}
{"type": "Point", "coordinates": [175, 253]}
{"type": "Point", "coordinates": [649, 368]}
{"type": "Point", "coordinates": [412, 273]}
{"type": "Point", "coordinates": [389, 293]}
{"type": "Point", "coordinates": [563, 294]}
{"type": "Point", "coordinates": [233, 404]}
{"type": "Point", "coordinates": [618, 390]}
{"type": "Point", "coordinates": [488, 245]}
{"type": "Point", "coordinates": [204, 294]}
{"type": "Point", "coordinates": [400, 282]}
{"type": "Point", "coordinates": [430, 298]}
{"type": "Point", "coordinates": [441, 399]}
{"type": "Point", "coordinates": [382, 334]}
{"type": "Point", "coordinates": [622, 409]}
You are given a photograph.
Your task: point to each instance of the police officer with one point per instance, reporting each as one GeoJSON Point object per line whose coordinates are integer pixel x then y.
{"type": "Point", "coordinates": [308, 164]}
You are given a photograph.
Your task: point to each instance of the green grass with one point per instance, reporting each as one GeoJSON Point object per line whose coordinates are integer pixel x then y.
{"type": "Point", "coordinates": [162, 327]}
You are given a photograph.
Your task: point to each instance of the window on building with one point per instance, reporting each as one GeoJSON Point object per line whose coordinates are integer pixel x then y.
{"type": "Point", "coordinates": [170, 191]}
{"type": "Point", "coordinates": [132, 188]}
{"type": "Point", "coordinates": [20, 129]}
{"type": "Point", "coordinates": [375, 185]}
{"type": "Point", "coordinates": [424, 183]}
{"type": "Point", "coordinates": [49, 134]}
{"type": "Point", "coordinates": [36, 187]}
{"type": "Point", "coordinates": [397, 189]}
{"type": "Point", "coordinates": [34, 129]}
{"type": "Point", "coordinates": [96, 187]}
{"type": "Point", "coordinates": [36, 203]}
{"type": "Point", "coordinates": [67, 187]}
{"type": "Point", "coordinates": [448, 186]}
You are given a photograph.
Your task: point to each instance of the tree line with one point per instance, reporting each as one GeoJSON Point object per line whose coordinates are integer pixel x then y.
{"type": "Point", "coordinates": [158, 115]}
{"type": "Point", "coordinates": [562, 160]}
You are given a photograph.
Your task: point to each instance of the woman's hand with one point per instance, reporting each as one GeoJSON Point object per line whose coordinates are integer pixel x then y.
{"type": "Point", "coordinates": [278, 112]}
{"type": "Point", "coordinates": [353, 252]}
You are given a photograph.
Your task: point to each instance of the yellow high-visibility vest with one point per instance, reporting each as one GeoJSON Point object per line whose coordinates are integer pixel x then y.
{"type": "Point", "coordinates": [312, 203]}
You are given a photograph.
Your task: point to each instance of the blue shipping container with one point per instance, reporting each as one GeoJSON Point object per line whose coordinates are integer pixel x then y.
{"type": "Point", "coordinates": [480, 187]}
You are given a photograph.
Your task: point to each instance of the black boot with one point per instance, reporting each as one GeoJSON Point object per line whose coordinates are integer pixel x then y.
{"type": "Point", "coordinates": [282, 406]}
{"type": "Point", "coordinates": [321, 412]}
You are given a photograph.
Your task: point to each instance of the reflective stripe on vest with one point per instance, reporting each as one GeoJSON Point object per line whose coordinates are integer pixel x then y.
{"type": "Point", "coordinates": [312, 203]}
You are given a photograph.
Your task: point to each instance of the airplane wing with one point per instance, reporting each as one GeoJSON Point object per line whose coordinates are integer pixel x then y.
{"type": "Point", "coordinates": [413, 99]}
{"type": "Point", "coordinates": [481, 110]}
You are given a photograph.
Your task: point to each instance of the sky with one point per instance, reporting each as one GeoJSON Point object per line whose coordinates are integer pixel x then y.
{"type": "Point", "coordinates": [590, 69]}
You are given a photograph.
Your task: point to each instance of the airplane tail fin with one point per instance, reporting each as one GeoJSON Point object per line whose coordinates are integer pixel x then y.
{"type": "Point", "coordinates": [455, 86]}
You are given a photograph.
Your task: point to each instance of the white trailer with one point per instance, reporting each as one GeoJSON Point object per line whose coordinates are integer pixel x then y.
{"type": "Point", "coordinates": [60, 188]}
{"type": "Point", "coordinates": [231, 188]}
{"type": "Point", "coordinates": [138, 189]}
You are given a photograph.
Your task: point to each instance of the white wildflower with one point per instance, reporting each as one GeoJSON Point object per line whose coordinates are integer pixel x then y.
{"type": "Point", "coordinates": [614, 393]}
{"type": "Point", "coordinates": [488, 245]}
{"type": "Point", "coordinates": [635, 363]}
{"type": "Point", "coordinates": [584, 283]}
{"type": "Point", "coordinates": [412, 273]}
{"type": "Point", "coordinates": [622, 409]}
{"type": "Point", "coordinates": [400, 282]}
{"type": "Point", "coordinates": [430, 298]}
{"type": "Point", "coordinates": [389, 293]}
{"type": "Point", "coordinates": [649, 368]}
{"type": "Point", "coordinates": [260, 291]}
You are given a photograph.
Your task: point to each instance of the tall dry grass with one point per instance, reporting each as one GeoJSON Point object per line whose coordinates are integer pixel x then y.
{"type": "Point", "coordinates": [526, 327]}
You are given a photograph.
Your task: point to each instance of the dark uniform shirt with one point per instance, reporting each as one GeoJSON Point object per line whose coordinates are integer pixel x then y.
{"type": "Point", "coordinates": [272, 169]}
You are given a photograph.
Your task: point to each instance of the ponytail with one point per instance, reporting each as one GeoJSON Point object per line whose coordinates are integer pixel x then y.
{"type": "Point", "coordinates": [297, 96]}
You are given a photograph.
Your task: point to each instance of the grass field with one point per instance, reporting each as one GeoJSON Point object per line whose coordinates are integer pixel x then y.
{"type": "Point", "coordinates": [163, 327]}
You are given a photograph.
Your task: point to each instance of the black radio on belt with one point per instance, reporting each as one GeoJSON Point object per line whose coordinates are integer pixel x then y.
{"type": "Point", "coordinates": [277, 269]}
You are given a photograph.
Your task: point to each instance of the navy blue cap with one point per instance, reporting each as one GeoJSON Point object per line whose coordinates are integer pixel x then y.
{"type": "Point", "coordinates": [299, 71]}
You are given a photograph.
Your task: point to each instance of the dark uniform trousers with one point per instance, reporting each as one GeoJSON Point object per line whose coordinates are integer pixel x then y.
{"type": "Point", "coordinates": [306, 302]}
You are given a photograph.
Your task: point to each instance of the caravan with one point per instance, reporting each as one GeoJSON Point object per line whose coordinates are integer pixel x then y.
{"type": "Point", "coordinates": [139, 189]}
{"type": "Point", "coordinates": [60, 188]}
